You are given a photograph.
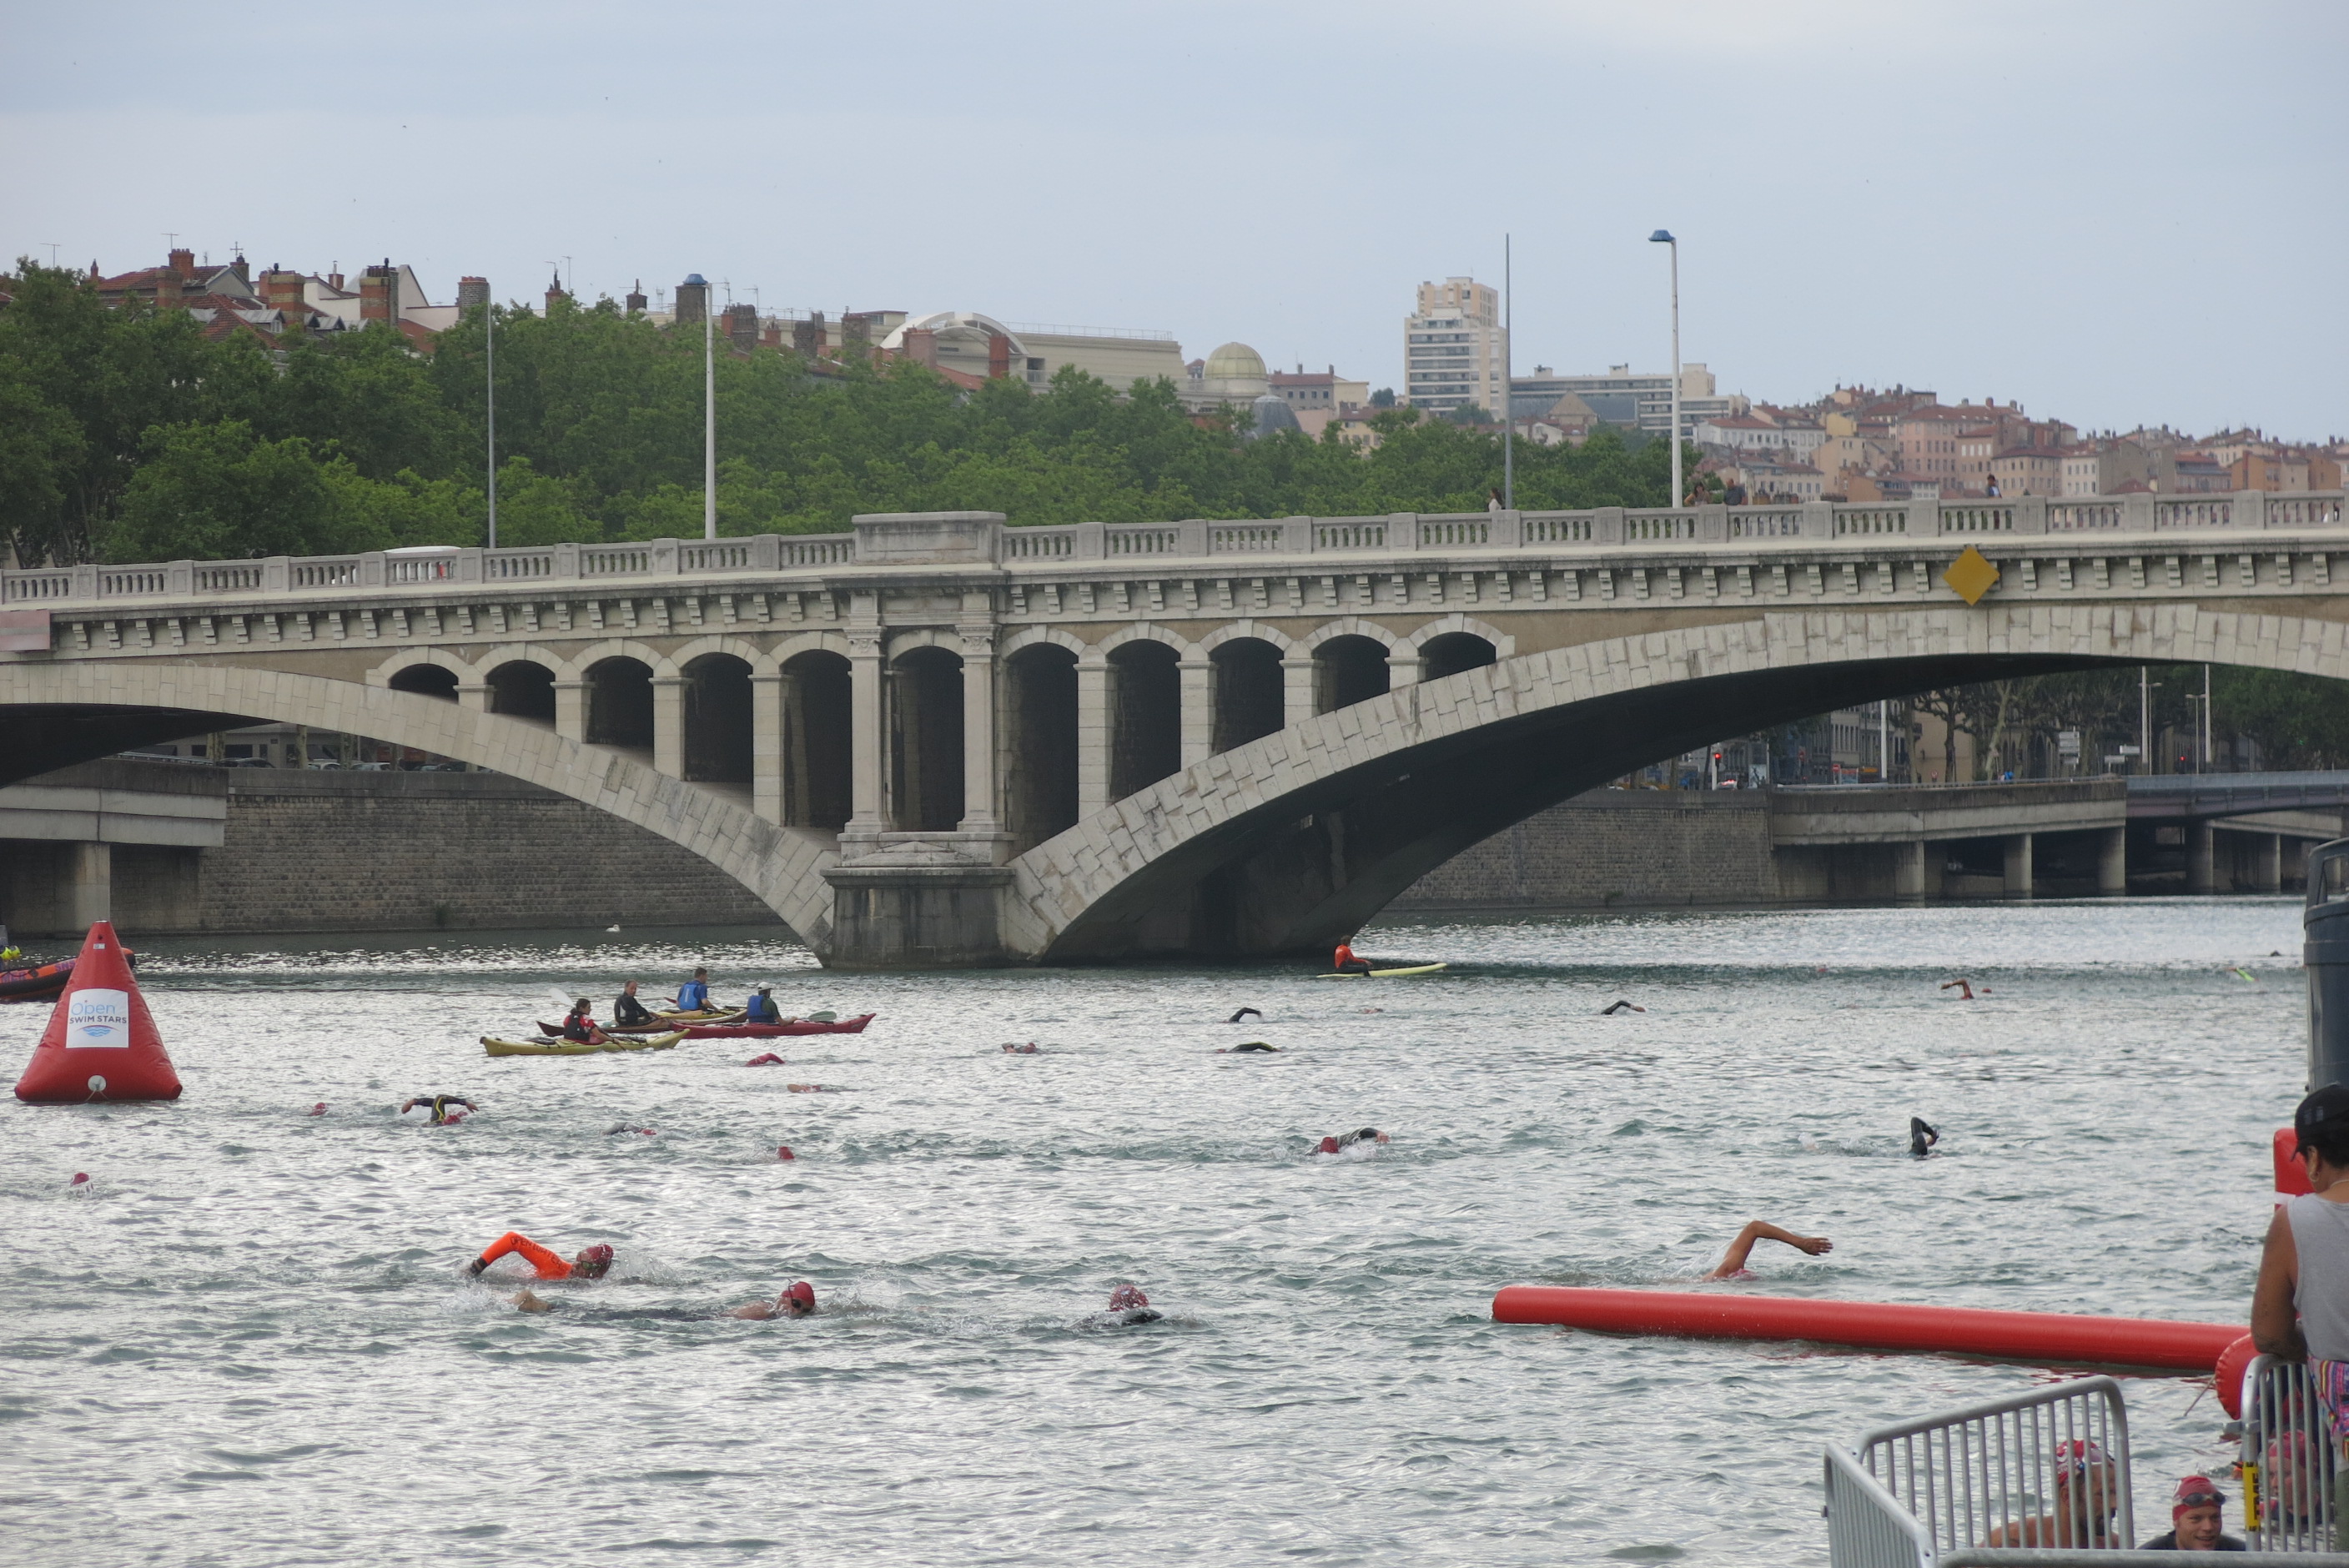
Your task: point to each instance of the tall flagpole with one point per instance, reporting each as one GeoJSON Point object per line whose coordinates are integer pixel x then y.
{"type": "Point", "coordinates": [490, 327]}
{"type": "Point", "coordinates": [710, 419]}
{"type": "Point", "coordinates": [1508, 379]}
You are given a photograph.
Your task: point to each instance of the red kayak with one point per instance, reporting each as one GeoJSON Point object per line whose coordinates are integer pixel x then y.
{"type": "Point", "coordinates": [742, 1031]}
{"type": "Point", "coordinates": [41, 984]}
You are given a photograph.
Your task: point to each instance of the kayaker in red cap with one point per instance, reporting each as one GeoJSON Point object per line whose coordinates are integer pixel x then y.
{"type": "Point", "coordinates": [797, 1300]}
{"type": "Point", "coordinates": [590, 1263]}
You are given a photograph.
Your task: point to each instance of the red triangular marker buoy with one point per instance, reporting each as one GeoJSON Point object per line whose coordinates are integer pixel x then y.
{"type": "Point", "coordinates": [101, 1043]}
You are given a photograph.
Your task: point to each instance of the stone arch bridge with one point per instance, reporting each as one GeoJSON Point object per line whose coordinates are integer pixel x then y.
{"type": "Point", "coordinates": [936, 740]}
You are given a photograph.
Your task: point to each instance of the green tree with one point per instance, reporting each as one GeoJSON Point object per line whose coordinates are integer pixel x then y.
{"type": "Point", "coordinates": [217, 491]}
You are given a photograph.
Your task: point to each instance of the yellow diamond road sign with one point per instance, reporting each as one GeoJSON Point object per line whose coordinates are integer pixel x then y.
{"type": "Point", "coordinates": [1970, 576]}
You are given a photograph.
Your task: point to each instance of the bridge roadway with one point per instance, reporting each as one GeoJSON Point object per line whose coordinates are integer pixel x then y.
{"type": "Point", "coordinates": [936, 740]}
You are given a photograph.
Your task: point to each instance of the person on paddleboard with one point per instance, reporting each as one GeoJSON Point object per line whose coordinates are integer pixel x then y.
{"type": "Point", "coordinates": [693, 995]}
{"type": "Point", "coordinates": [1343, 961]}
{"type": "Point", "coordinates": [627, 1011]}
{"type": "Point", "coordinates": [1732, 1262]}
{"type": "Point", "coordinates": [579, 1023]}
{"type": "Point", "coordinates": [438, 1105]}
{"type": "Point", "coordinates": [760, 1008]}
{"type": "Point", "coordinates": [589, 1264]}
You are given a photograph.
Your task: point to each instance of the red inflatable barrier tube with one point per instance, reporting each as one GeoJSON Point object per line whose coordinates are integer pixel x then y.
{"type": "Point", "coordinates": [2030, 1337]}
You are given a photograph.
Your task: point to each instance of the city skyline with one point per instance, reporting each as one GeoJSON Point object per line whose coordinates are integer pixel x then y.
{"type": "Point", "coordinates": [1201, 214]}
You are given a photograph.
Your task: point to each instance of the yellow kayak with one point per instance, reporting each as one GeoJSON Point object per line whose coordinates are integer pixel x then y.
{"type": "Point", "coordinates": [1388, 973]}
{"type": "Point", "coordinates": [699, 1015]}
{"type": "Point", "coordinates": [498, 1048]}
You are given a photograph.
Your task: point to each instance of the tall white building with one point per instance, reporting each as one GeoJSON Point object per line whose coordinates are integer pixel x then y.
{"type": "Point", "coordinates": [1454, 350]}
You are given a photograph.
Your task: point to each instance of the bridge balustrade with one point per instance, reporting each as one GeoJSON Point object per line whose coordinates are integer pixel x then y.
{"type": "Point", "coordinates": [2009, 522]}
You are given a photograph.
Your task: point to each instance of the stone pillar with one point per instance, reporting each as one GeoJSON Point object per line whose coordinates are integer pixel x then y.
{"type": "Point", "coordinates": [2201, 845]}
{"type": "Point", "coordinates": [1197, 674]}
{"type": "Point", "coordinates": [668, 724]}
{"type": "Point", "coordinates": [2018, 866]}
{"type": "Point", "coordinates": [571, 709]}
{"type": "Point", "coordinates": [2112, 861]}
{"type": "Point", "coordinates": [1296, 689]}
{"type": "Point", "coordinates": [89, 885]}
{"type": "Point", "coordinates": [1909, 869]}
{"type": "Point", "coordinates": [982, 795]}
{"type": "Point", "coordinates": [867, 793]}
{"type": "Point", "coordinates": [1092, 734]}
{"type": "Point", "coordinates": [767, 746]}
{"type": "Point", "coordinates": [2270, 851]}
{"type": "Point", "coordinates": [473, 695]}
{"type": "Point", "coordinates": [1404, 669]}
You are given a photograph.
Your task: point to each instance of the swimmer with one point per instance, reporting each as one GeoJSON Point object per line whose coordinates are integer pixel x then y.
{"type": "Point", "coordinates": [590, 1263]}
{"type": "Point", "coordinates": [1963, 987]}
{"type": "Point", "coordinates": [319, 1108]}
{"type": "Point", "coordinates": [804, 1087]}
{"type": "Point", "coordinates": [783, 1151]}
{"type": "Point", "coordinates": [1251, 1048]}
{"type": "Point", "coordinates": [1922, 1135]}
{"type": "Point", "coordinates": [580, 1025]}
{"type": "Point", "coordinates": [439, 1104]}
{"type": "Point", "coordinates": [769, 1060]}
{"type": "Point", "coordinates": [1128, 1306]}
{"type": "Point", "coordinates": [1345, 1140]}
{"type": "Point", "coordinates": [1026, 1050]}
{"type": "Point", "coordinates": [1732, 1262]}
{"type": "Point", "coordinates": [1612, 1008]}
{"type": "Point", "coordinates": [1243, 1012]}
{"type": "Point", "coordinates": [796, 1300]}
{"type": "Point", "coordinates": [627, 1127]}
{"type": "Point", "coordinates": [80, 1176]}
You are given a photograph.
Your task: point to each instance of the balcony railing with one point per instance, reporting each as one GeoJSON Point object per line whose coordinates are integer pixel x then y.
{"type": "Point", "coordinates": [2095, 527]}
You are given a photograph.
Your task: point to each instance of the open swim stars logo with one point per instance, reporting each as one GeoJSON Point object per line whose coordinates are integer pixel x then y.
{"type": "Point", "coordinates": [98, 1018]}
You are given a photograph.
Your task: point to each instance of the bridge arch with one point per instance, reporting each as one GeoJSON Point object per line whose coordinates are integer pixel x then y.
{"type": "Point", "coordinates": [761, 661]}
{"type": "Point", "coordinates": [1504, 645]}
{"type": "Point", "coordinates": [594, 654]}
{"type": "Point", "coordinates": [781, 865]}
{"type": "Point", "coordinates": [1296, 838]}
{"type": "Point", "coordinates": [414, 665]}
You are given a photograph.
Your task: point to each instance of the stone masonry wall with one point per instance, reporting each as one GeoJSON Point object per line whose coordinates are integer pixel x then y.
{"type": "Point", "coordinates": [1613, 849]}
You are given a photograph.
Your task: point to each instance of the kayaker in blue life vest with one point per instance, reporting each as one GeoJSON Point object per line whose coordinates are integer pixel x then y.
{"type": "Point", "coordinates": [693, 995]}
{"type": "Point", "coordinates": [760, 1008]}
{"type": "Point", "coordinates": [627, 1011]}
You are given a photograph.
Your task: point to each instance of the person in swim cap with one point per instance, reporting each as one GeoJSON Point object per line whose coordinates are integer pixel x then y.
{"type": "Point", "coordinates": [796, 1300]}
{"type": "Point", "coordinates": [765, 1059]}
{"type": "Point", "coordinates": [1250, 1048]}
{"type": "Point", "coordinates": [1026, 1050]}
{"type": "Point", "coordinates": [437, 1103]}
{"type": "Point", "coordinates": [1732, 1262]}
{"type": "Point", "coordinates": [2196, 1515]}
{"type": "Point", "coordinates": [1128, 1305]}
{"type": "Point", "coordinates": [588, 1264]}
{"type": "Point", "coordinates": [1345, 1140]}
{"type": "Point", "coordinates": [2087, 1495]}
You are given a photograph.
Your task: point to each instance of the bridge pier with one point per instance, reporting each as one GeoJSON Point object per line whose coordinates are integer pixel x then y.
{"type": "Point", "coordinates": [1297, 704]}
{"type": "Point", "coordinates": [2268, 875]}
{"type": "Point", "coordinates": [767, 746]}
{"type": "Point", "coordinates": [1092, 735]}
{"type": "Point", "coordinates": [1908, 870]}
{"type": "Point", "coordinates": [668, 724]}
{"type": "Point", "coordinates": [1198, 673]}
{"type": "Point", "coordinates": [2018, 865]}
{"type": "Point", "coordinates": [571, 709]}
{"type": "Point", "coordinates": [2112, 861]}
{"type": "Point", "coordinates": [2201, 856]}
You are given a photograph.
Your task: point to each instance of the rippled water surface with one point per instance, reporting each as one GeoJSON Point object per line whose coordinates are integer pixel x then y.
{"type": "Point", "coordinates": [249, 1339]}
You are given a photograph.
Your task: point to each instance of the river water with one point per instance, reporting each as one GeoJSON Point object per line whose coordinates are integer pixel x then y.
{"type": "Point", "coordinates": [249, 1339]}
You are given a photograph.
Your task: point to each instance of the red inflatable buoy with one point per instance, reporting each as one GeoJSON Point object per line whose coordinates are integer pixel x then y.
{"type": "Point", "coordinates": [2234, 1362]}
{"type": "Point", "coordinates": [2064, 1339]}
{"type": "Point", "coordinates": [2291, 1176]}
{"type": "Point", "coordinates": [101, 1043]}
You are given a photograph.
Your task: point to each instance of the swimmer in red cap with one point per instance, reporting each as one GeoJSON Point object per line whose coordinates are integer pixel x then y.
{"type": "Point", "coordinates": [590, 1263]}
{"type": "Point", "coordinates": [1026, 1050]}
{"type": "Point", "coordinates": [1345, 1140]}
{"type": "Point", "coordinates": [1732, 1262]}
{"type": "Point", "coordinates": [1128, 1305]}
{"type": "Point", "coordinates": [2197, 1514]}
{"type": "Point", "coordinates": [797, 1300]}
{"type": "Point", "coordinates": [767, 1060]}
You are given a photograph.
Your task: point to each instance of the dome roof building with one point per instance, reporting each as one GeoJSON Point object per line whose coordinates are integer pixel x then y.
{"type": "Point", "coordinates": [1233, 372]}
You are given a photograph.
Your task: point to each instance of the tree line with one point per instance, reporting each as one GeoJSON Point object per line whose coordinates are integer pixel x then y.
{"type": "Point", "coordinates": [2296, 721]}
{"type": "Point", "coordinates": [126, 434]}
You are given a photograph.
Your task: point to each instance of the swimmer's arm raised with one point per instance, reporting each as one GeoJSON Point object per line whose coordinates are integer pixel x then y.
{"type": "Point", "coordinates": [1732, 1262]}
{"type": "Point", "coordinates": [2275, 1323]}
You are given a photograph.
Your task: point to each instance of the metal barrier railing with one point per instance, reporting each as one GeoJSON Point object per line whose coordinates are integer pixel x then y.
{"type": "Point", "coordinates": [2288, 1461]}
{"type": "Point", "coordinates": [2045, 1470]}
{"type": "Point", "coordinates": [1867, 1526]}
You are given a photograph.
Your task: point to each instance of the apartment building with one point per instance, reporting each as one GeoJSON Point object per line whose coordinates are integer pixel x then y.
{"type": "Point", "coordinates": [1634, 401]}
{"type": "Point", "coordinates": [1455, 353]}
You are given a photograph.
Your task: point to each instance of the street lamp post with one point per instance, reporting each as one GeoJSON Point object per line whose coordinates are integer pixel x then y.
{"type": "Point", "coordinates": [490, 333]}
{"type": "Point", "coordinates": [1664, 237]}
{"type": "Point", "coordinates": [709, 417]}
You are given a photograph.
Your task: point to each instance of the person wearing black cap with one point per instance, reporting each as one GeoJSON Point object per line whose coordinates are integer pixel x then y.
{"type": "Point", "coordinates": [2299, 1308]}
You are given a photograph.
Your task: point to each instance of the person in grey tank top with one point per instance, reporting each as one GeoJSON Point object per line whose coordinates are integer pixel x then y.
{"type": "Point", "coordinates": [2299, 1308]}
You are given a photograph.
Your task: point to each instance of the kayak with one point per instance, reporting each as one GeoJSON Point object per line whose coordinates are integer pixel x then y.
{"type": "Point", "coordinates": [39, 983]}
{"type": "Point", "coordinates": [698, 1015]}
{"type": "Point", "coordinates": [826, 1024]}
{"type": "Point", "coordinates": [560, 1047]}
{"type": "Point", "coordinates": [1388, 973]}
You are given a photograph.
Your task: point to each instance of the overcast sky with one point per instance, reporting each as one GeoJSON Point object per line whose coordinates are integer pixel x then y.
{"type": "Point", "coordinates": [2115, 213]}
